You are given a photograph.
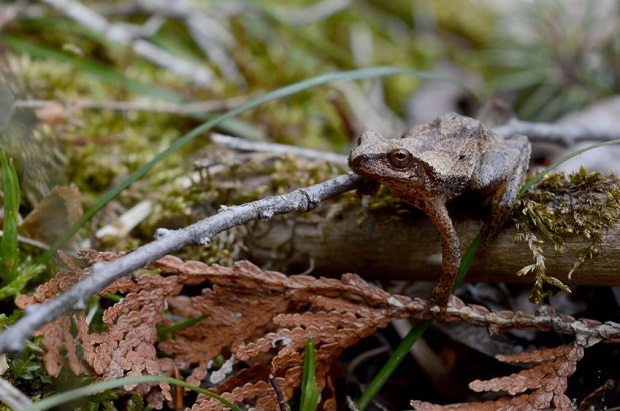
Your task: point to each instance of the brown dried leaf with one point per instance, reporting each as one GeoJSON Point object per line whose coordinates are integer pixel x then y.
{"type": "Point", "coordinates": [53, 216]}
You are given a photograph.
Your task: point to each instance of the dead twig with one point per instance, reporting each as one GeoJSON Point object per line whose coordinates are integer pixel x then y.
{"type": "Point", "coordinates": [153, 107]}
{"type": "Point", "coordinates": [565, 134]}
{"type": "Point", "coordinates": [167, 241]}
{"type": "Point", "coordinates": [242, 144]}
{"type": "Point", "coordinates": [587, 332]}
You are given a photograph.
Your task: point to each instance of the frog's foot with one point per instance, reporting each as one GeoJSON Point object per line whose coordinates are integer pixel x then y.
{"type": "Point", "coordinates": [436, 306]}
{"type": "Point", "coordinates": [439, 298]}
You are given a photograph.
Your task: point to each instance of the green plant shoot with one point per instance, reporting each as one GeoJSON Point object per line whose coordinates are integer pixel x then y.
{"type": "Point", "coordinates": [10, 186]}
{"type": "Point", "coordinates": [309, 387]}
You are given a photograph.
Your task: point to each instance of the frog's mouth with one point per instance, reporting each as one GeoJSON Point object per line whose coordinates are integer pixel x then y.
{"type": "Point", "coordinates": [368, 165]}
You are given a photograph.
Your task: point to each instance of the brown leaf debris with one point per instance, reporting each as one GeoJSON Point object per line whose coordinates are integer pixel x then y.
{"type": "Point", "coordinates": [546, 382]}
{"type": "Point", "coordinates": [258, 321]}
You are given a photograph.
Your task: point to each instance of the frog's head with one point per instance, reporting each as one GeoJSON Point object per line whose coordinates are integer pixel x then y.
{"type": "Point", "coordinates": [393, 164]}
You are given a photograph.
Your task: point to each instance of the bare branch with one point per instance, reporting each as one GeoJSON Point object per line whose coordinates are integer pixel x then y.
{"type": "Point", "coordinates": [300, 200]}
{"type": "Point", "coordinates": [29, 241]}
{"type": "Point", "coordinates": [566, 134]}
{"type": "Point", "coordinates": [242, 144]}
{"type": "Point", "coordinates": [409, 249]}
{"type": "Point", "coordinates": [155, 107]}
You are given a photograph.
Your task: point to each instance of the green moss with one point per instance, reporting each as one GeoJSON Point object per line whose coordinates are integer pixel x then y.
{"type": "Point", "coordinates": [581, 205]}
{"type": "Point", "coordinates": [136, 403]}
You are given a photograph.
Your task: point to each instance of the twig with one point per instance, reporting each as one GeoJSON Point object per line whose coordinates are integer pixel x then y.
{"type": "Point", "coordinates": [29, 241]}
{"type": "Point", "coordinates": [167, 241]}
{"type": "Point", "coordinates": [180, 9]}
{"type": "Point", "coordinates": [197, 73]}
{"type": "Point", "coordinates": [587, 332]}
{"type": "Point", "coordinates": [276, 388]}
{"type": "Point", "coordinates": [13, 397]}
{"type": "Point", "coordinates": [246, 145]}
{"type": "Point", "coordinates": [155, 107]}
{"type": "Point", "coordinates": [566, 134]}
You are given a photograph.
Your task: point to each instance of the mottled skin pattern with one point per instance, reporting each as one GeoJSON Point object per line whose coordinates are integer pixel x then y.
{"type": "Point", "coordinates": [437, 162]}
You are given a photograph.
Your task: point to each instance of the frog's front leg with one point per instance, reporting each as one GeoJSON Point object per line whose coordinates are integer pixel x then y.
{"type": "Point", "coordinates": [450, 252]}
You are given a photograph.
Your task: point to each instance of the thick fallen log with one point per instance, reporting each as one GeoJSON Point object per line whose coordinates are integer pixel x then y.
{"type": "Point", "coordinates": [396, 245]}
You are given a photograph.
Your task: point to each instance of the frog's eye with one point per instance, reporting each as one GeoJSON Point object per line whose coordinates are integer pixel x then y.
{"type": "Point", "coordinates": [400, 158]}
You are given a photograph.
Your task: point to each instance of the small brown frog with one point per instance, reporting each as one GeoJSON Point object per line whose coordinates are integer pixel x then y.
{"type": "Point", "coordinates": [437, 162]}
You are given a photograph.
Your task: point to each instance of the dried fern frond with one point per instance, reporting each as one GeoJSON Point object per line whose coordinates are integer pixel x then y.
{"type": "Point", "coordinates": [258, 319]}
{"type": "Point", "coordinates": [180, 319]}
{"type": "Point", "coordinates": [546, 382]}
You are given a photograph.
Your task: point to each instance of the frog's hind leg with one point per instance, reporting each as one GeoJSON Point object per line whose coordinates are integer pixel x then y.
{"type": "Point", "coordinates": [510, 163]}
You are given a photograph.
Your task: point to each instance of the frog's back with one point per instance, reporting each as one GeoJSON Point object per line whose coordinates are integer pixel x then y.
{"type": "Point", "coordinates": [450, 144]}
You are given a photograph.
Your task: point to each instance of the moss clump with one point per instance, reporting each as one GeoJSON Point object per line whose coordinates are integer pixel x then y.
{"type": "Point", "coordinates": [584, 204]}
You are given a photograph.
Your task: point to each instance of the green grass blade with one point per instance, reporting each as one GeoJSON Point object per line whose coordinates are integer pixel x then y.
{"type": "Point", "coordinates": [467, 260]}
{"type": "Point", "coordinates": [71, 395]}
{"type": "Point", "coordinates": [10, 186]}
{"type": "Point", "coordinates": [365, 73]}
{"type": "Point", "coordinates": [163, 333]}
{"type": "Point", "coordinates": [7, 105]}
{"type": "Point", "coordinates": [309, 387]}
{"type": "Point", "coordinates": [412, 336]}
{"type": "Point", "coordinates": [392, 363]}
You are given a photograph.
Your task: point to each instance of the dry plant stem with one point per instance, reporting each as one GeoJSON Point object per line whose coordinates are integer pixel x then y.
{"type": "Point", "coordinates": [587, 332]}
{"type": "Point", "coordinates": [29, 241]}
{"type": "Point", "coordinates": [13, 397]}
{"type": "Point", "coordinates": [75, 10]}
{"type": "Point", "coordinates": [276, 388]}
{"type": "Point", "coordinates": [566, 134]}
{"type": "Point", "coordinates": [242, 144]}
{"type": "Point", "coordinates": [148, 106]}
{"type": "Point", "coordinates": [300, 200]}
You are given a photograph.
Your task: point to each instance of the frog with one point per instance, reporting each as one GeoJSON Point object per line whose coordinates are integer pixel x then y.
{"type": "Point", "coordinates": [432, 164]}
